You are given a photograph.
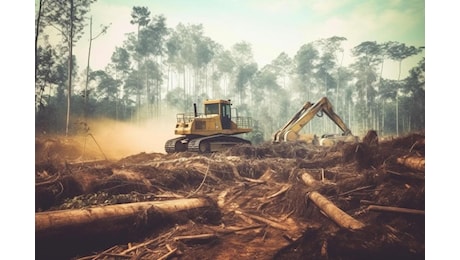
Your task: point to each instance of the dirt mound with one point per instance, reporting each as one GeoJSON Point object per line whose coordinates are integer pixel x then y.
{"type": "Point", "coordinates": [262, 201]}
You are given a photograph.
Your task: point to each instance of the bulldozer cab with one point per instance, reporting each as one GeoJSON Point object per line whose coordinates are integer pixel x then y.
{"type": "Point", "coordinates": [221, 108]}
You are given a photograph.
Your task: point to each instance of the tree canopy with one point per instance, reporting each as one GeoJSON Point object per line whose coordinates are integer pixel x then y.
{"type": "Point", "coordinates": [160, 69]}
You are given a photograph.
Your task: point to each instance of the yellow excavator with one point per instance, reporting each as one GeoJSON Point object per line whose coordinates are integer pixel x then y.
{"type": "Point", "coordinates": [290, 131]}
{"type": "Point", "coordinates": [212, 131]}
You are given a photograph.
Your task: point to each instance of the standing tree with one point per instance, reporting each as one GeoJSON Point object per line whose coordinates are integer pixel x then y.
{"type": "Point", "coordinates": [333, 46]}
{"type": "Point", "coordinates": [283, 66]}
{"type": "Point", "coordinates": [107, 92]}
{"type": "Point", "coordinates": [399, 52]}
{"type": "Point", "coordinates": [368, 57]}
{"type": "Point", "coordinates": [151, 47]}
{"type": "Point", "coordinates": [415, 91]}
{"type": "Point", "coordinates": [91, 39]}
{"type": "Point", "coordinates": [68, 17]}
{"type": "Point", "coordinates": [304, 62]}
{"type": "Point", "coordinates": [45, 72]}
{"type": "Point", "coordinates": [140, 16]}
{"type": "Point", "coordinates": [245, 67]}
{"type": "Point", "coordinates": [38, 30]}
{"type": "Point", "coordinates": [225, 66]}
{"type": "Point", "coordinates": [120, 66]}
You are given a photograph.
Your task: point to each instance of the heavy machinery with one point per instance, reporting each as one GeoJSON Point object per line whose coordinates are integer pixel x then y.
{"type": "Point", "coordinates": [290, 131]}
{"type": "Point", "coordinates": [211, 131]}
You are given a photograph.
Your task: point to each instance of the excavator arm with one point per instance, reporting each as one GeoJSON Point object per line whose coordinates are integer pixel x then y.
{"type": "Point", "coordinates": [290, 131]}
{"type": "Point", "coordinates": [290, 124]}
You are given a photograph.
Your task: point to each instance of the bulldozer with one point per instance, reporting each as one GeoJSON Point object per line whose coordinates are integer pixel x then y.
{"type": "Point", "coordinates": [290, 131]}
{"type": "Point", "coordinates": [212, 131]}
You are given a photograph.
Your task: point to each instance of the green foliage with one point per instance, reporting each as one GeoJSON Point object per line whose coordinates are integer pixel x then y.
{"type": "Point", "coordinates": [140, 16]}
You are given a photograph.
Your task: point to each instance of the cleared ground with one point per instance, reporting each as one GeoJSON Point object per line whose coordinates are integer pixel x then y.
{"type": "Point", "coordinates": [263, 201]}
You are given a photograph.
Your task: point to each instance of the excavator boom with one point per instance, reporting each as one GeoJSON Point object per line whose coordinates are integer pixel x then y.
{"type": "Point", "coordinates": [290, 131]}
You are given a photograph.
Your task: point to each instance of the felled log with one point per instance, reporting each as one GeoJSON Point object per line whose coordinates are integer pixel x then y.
{"type": "Point", "coordinates": [309, 180]}
{"type": "Point", "coordinates": [111, 219]}
{"type": "Point", "coordinates": [333, 212]}
{"type": "Point", "coordinates": [412, 162]}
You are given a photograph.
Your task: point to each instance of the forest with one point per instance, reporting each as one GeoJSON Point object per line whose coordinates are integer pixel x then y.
{"type": "Point", "coordinates": [161, 69]}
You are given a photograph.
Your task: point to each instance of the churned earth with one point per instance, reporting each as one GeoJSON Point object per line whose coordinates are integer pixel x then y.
{"type": "Point", "coordinates": [267, 201]}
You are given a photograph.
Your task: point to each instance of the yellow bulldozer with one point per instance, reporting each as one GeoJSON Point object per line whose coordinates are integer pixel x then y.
{"type": "Point", "coordinates": [211, 131]}
{"type": "Point", "coordinates": [291, 130]}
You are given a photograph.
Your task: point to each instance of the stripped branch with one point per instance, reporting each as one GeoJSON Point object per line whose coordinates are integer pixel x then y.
{"type": "Point", "coordinates": [263, 220]}
{"type": "Point", "coordinates": [395, 209]}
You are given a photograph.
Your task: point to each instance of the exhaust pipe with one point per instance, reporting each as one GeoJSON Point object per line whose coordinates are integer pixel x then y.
{"type": "Point", "coordinates": [194, 110]}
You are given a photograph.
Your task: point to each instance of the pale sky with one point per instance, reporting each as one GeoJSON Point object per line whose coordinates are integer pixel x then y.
{"type": "Point", "coordinates": [270, 26]}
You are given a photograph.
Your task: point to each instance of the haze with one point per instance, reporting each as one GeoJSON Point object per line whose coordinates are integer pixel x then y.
{"type": "Point", "coordinates": [271, 27]}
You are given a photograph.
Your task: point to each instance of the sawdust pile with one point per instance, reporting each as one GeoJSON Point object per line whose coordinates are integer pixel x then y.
{"type": "Point", "coordinates": [263, 196]}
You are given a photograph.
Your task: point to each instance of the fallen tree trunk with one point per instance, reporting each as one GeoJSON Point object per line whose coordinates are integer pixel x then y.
{"type": "Point", "coordinates": [309, 180]}
{"type": "Point", "coordinates": [412, 162]}
{"type": "Point", "coordinates": [113, 218]}
{"type": "Point", "coordinates": [333, 212]}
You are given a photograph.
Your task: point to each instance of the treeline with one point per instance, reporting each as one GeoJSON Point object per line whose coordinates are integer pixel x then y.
{"type": "Point", "coordinates": [160, 69]}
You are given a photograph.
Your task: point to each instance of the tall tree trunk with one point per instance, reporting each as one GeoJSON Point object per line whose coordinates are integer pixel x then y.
{"type": "Point", "coordinates": [397, 101]}
{"type": "Point", "coordinates": [69, 70]}
{"type": "Point", "coordinates": [87, 65]}
{"type": "Point", "coordinates": [37, 31]}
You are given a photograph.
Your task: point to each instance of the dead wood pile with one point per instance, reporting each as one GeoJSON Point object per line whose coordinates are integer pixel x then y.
{"type": "Point", "coordinates": [284, 201]}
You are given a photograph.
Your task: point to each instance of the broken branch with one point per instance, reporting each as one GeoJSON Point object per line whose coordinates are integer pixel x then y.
{"type": "Point", "coordinates": [395, 209]}
{"type": "Point", "coordinates": [171, 252]}
{"type": "Point", "coordinates": [199, 237]}
{"type": "Point", "coordinates": [264, 220]}
{"type": "Point", "coordinates": [357, 189]}
{"type": "Point", "coordinates": [281, 191]}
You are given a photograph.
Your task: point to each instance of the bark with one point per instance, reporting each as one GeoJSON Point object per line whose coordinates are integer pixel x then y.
{"type": "Point", "coordinates": [334, 213]}
{"type": "Point", "coordinates": [113, 218]}
{"type": "Point", "coordinates": [413, 162]}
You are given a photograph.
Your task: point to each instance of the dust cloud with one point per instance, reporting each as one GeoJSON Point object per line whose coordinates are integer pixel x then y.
{"type": "Point", "coordinates": [116, 139]}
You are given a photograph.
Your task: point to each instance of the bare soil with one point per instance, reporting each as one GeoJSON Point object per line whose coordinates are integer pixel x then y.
{"type": "Point", "coordinates": [262, 205]}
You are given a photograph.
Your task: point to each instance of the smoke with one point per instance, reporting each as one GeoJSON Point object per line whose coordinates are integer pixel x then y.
{"type": "Point", "coordinates": [120, 139]}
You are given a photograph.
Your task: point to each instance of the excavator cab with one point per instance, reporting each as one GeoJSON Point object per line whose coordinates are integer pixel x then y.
{"type": "Point", "coordinates": [223, 109]}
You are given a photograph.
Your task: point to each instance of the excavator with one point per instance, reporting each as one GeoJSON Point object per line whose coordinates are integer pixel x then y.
{"type": "Point", "coordinates": [212, 131]}
{"type": "Point", "coordinates": [290, 131]}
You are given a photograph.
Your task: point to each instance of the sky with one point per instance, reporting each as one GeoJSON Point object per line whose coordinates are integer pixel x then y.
{"type": "Point", "coordinates": [270, 26]}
